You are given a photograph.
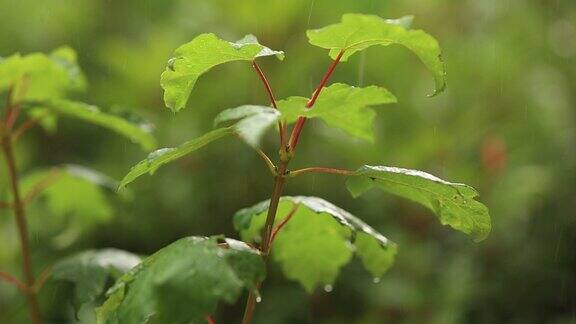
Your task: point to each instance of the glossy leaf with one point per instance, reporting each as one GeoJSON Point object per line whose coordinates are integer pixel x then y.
{"type": "Point", "coordinates": [318, 240]}
{"type": "Point", "coordinates": [38, 76]}
{"type": "Point", "coordinates": [163, 156]}
{"type": "Point", "coordinates": [357, 32]}
{"type": "Point", "coordinates": [341, 106]}
{"type": "Point", "coordinates": [197, 57]}
{"type": "Point", "coordinates": [137, 133]}
{"type": "Point", "coordinates": [453, 203]}
{"type": "Point", "coordinates": [89, 271]}
{"type": "Point", "coordinates": [183, 282]}
{"type": "Point", "coordinates": [251, 121]}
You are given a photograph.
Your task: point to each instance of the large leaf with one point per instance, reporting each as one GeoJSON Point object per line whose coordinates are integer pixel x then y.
{"type": "Point", "coordinates": [183, 282]}
{"type": "Point", "coordinates": [453, 203]}
{"type": "Point", "coordinates": [137, 133]}
{"type": "Point", "coordinates": [89, 271]}
{"type": "Point", "coordinates": [166, 155]}
{"type": "Point", "coordinates": [251, 121]}
{"type": "Point", "coordinates": [318, 240]}
{"type": "Point", "coordinates": [38, 76]}
{"type": "Point", "coordinates": [341, 106]}
{"type": "Point", "coordinates": [357, 32]}
{"type": "Point", "coordinates": [195, 58]}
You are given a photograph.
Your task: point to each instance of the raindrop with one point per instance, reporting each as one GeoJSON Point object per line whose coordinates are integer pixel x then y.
{"type": "Point", "coordinates": [328, 288]}
{"type": "Point", "coordinates": [376, 280]}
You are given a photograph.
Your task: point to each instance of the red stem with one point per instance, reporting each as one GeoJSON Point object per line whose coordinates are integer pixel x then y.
{"type": "Point", "coordinates": [13, 281]}
{"type": "Point", "coordinates": [22, 229]}
{"type": "Point", "coordinates": [12, 112]}
{"type": "Point", "coordinates": [295, 136]}
{"type": "Point", "coordinates": [284, 222]}
{"type": "Point", "coordinates": [262, 76]}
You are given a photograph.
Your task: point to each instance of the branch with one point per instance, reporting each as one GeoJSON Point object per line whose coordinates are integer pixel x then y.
{"type": "Point", "coordinates": [281, 127]}
{"type": "Point", "coordinates": [267, 160]}
{"type": "Point", "coordinates": [320, 170]}
{"type": "Point", "coordinates": [295, 136]}
{"type": "Point", "coordinates": [13, 281]}
{"type": "Point", "coordinates": [284, 221]}
{"type": "Point", "coordinates": [28, 124]}
{"type": "Point", "coordinates": [44, 275]}
{"type": "Point", "coordinates": [41, 186]}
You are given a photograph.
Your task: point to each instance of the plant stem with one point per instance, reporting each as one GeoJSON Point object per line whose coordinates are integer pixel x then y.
{"type": "Point", "coordinates": [295, 136]}
{"type": "Point", "coordinates": [267, 160]}
{"type": "Point", "coordinates": [20, 214]}
{"type": "Point", "coordinates": [281, 127]}
{"type": "Point", "coordinates": [320, 170]}
{"type": "Point", "coordinates": [13, 281]}
{"type": "Point", "coordinates": [284, 222]}
{"type": "Point", "coordinates": [279, 182]}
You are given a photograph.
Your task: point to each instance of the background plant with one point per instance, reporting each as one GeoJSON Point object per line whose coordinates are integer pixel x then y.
{"type": "Point", "coordinates": [505, 119]}
{"type": "Point", "coordinates": [36, 86]}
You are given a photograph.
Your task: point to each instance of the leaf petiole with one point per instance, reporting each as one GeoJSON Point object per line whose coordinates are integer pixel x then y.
{"type": "Point", "coordinates": [298, 172]}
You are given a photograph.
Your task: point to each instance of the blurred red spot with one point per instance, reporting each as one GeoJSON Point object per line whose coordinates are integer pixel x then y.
{"type": "Point", "coordinates": [494, 154]}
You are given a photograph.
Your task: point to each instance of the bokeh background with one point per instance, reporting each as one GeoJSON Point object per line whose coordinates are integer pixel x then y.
{"type": "Point", "coordinates": [506, 125]}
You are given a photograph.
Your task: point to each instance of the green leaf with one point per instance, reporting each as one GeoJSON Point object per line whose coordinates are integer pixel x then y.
{"type": "Point", "coordinates": [183, 282]}
{"type": "Point", "coordinates": [453, 203]}
{"type": "Point", "coordinates": [357, 32]}
{"type": "Point", "coordinates": [46, 119]}
{"type": "Point", "coordinates": [38, 76]}
{"type": "Point", "coordinates": [72, 190]}
{"type": "Point", "coordinates": [341, 106]}
{"type": "Point", "coordinates": [197, 57]}
{"type": "Point", "coordinates": [251, 121]}
{"type": "Point", "coordinates": [89, 271]}
{"type": "Point", "coordinates": [166, 155]}
{"type": "Point", "coordinates": [137, 133]}
{"type": "Point", "coordinates": [318, 240]}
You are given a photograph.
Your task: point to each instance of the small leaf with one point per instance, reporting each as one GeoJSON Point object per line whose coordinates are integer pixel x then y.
{"type": "Point", "coordinates": [90, 270]}
{"type": "Point", "coordinates": [357, 32]}
{"type": "Point", "coordinates": [318, 240]}
{"type": "Point", "coordinates": [453, 203]}
{"type": "Point", "coordinates": [252, 121]}
{"type": "Point", "coordinates": [38, 76]}
{"type": "Point", "coordinates": [137, 133]}
{"type": "Point", "coordinates": [166, 155]}
{"type": "Point", "coordinates": [183, 282]}
{"type": "Point", "coordinates": [341, 106]}
{"type": "Point", "coordinates": [197, 57]}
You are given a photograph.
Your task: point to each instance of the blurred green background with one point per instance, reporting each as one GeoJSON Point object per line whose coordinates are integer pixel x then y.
{"type": "Point", "coordinates": [506, 125]}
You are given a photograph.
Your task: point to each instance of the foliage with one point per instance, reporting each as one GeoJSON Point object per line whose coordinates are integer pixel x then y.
{"type": "Point", "coordinates": [183, 282]}
{"type": "Point", "coordinates": [507, 85]}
